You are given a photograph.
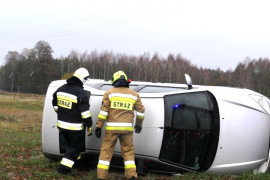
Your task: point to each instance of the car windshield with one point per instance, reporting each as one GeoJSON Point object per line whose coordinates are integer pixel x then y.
{"type": "Point", "coordinates": [191, 130]}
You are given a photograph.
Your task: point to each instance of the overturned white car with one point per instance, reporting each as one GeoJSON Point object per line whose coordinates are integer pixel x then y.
{"type": "Point", "coordinates": [186, 127]}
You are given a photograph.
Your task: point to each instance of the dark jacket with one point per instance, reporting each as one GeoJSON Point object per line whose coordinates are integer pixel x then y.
{"type": "Point", "coordinates": [71, 103]}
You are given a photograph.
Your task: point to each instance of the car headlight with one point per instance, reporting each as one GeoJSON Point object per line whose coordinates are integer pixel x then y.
{"type": "Point", "coordinates": [262, 101]}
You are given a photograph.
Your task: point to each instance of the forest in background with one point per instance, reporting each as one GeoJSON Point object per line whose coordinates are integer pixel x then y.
{"type": "Point", "coordinates": [32, 70]}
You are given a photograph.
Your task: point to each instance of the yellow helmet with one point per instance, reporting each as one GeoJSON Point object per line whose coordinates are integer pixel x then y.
{"type": "Point", "coordinates": [119, 75]}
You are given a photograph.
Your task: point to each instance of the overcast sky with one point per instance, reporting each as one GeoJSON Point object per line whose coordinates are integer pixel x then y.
{"type": "Point", "coordinates": [209, 33]}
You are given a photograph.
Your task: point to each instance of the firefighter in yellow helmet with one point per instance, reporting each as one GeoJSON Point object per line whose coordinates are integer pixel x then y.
{"type": "Point", "coordinates": [117, 113]}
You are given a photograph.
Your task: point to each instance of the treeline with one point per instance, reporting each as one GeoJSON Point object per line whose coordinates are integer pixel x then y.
{"type": "Point", "coordinates": [32, 70]}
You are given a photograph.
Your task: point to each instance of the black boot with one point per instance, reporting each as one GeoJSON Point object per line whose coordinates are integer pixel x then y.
{"type": "Point", "coordinates": [133, 178]}
{"type": "Point", "coordinates": [65, 171]}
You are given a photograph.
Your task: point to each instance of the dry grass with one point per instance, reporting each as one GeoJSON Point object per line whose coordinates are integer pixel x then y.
{"type": "Point", "coordinates": [20, 123]}
{"type": "Point", "coordinates": [22, 113]}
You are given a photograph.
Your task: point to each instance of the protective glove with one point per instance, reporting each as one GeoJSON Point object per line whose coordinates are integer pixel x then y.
{"type": "Point", "coordinates": [137, 129]}
{"type": "Point", "coordinates": [55, 109]}
{"type": "Point", "coordinates": [98, 132]}
{"type": "Point", "coordinates": [89, 121]}
{"type": "Point", "coordinates": [89, 131]}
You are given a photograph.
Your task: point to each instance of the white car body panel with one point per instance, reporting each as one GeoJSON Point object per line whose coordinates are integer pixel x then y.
{"type": "Point", "coordinates": [243, 136]}
{"type": "Point", "coordinates": [244, 127]}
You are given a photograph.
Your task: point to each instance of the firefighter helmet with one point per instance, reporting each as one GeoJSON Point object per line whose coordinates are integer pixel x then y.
{"type": "Point", "coordinates": [119, 75]}
{"type": "Point", "coordinates": [82, 74]}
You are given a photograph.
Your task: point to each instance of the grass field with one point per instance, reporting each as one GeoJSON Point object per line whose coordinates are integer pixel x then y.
{"type": "Point", "coordinates": [20, 146]}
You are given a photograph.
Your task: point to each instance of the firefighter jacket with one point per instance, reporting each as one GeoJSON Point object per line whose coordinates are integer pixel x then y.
{"type": "Point", "coordinates": [117, 110]}
{"type": "Point", "coordinates": [71, 103]}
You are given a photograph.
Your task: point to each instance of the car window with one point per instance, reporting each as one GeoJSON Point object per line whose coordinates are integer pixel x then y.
{"type": "Point", "coordinates": [106, 87]}
{"type": "Point", "coordinates": [158, 89]}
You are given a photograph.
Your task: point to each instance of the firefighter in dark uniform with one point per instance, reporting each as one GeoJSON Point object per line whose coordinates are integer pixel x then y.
{"type": "Point", "coordinates": [117, 112]}
{"type": "Point", "coordinates": [71, 103]}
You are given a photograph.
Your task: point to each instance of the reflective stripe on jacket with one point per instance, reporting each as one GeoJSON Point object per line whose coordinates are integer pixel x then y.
{"type": "Point", "coordinates": [69, 126]}
{"type": "Point", "coordinates": [119, 126]}
{"type": "Point", "coordinates": [117, 109]}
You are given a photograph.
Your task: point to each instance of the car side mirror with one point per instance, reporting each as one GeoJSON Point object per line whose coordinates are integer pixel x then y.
{"type": "Point", "coordinates": [189, 81]}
